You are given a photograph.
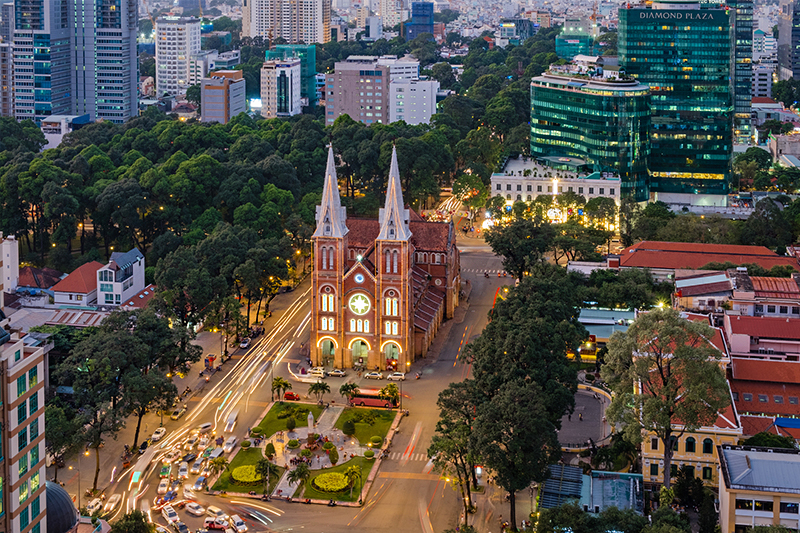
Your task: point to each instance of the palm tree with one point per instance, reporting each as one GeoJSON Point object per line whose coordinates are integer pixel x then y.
{"type": "Point", "coordinates": [220, 464]}
{"type": "Point", "coordinates": [352, 473]}
{"type": "Point", "coordinates": [300, 474]}
{"type": "Point", "coordinates": [266, 469]}
{"type": "Point", "coordinates": [390, 392]}
{"type": "Point", "coordinates": [348, 390]}
{"type": "Point", "coordinates": [319, 389]}
{"type": "Point", "coordinates": [281, 385]}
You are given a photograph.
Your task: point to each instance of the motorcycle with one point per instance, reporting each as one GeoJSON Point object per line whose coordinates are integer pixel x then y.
{"type": "Point", "coordinates": [416, 376]}
{"type": "Point", "coordinates": [485, 274]}
{"type": "Point", "coordinates": [331, 503]}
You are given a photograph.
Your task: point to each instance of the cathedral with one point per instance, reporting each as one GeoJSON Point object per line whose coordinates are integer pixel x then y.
{"type": "Point", "coordinates": [380, 288]}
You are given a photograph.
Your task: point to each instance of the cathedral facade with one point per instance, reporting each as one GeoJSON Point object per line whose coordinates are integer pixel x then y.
{"type": "Point", "coordinates": [380, 288]}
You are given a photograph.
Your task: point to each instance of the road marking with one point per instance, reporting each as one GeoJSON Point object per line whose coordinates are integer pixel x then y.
{"type": "Point", "coordinates": [408, 475]}
{"type": "Point", "coordinates": [394, 456]}
{"type": "Point", "coordinates": [461, 346]}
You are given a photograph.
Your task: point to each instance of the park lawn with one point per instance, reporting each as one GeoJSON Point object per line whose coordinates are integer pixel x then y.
{"type": "Point", "coordinates": [364, 432]}
{"type": "Point", "coordinates": [310, 492]}
{"type": "Point", "coordinates": [271, 424]}
{"type": "Point", "coordinates": [248, 456]}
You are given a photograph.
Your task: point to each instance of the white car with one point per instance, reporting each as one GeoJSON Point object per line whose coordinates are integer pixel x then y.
{"type": "Point", "coordinates": [112, 503]}
{"type": "Point", "coordinates": [203, 442]}
{"type": "Point", "coordinates": [94, 506]}
{"type": "Point", "coordinates": [195, 509]}
{"type": "Point", "coordinates": [396, 376]}
{"type": "Point", "coordinates": [373, 375]}
{"type": "Point", "coordinates": [238, 523]}
{"type": "Point", "coordinates": [190, 443]}
{"type": "Point", "coordinates": [183, 471]}
{"type": "Point", "coordinates": [216, 512]}
{"type": "Point", "coordinates": [158, 434]}
{"type": "Point", "coordinates": [171, 456]}
{"type": "Point", "coordinates": [229, 445]}
{"type": "Point", "coordinates": [197, 467]}
{"type": "Point", "coordinates": [245, 343]}
{"type": "Point", "coordinates": [337, 373]}
{"type": "Point", "coordinates": [169, 514]}
{"type": "Point", "coordinates": [211, 523]}
{"type": "Point", "coordinates": [163, 486]}
{"type": "Point", "coordinates": [203, 428]}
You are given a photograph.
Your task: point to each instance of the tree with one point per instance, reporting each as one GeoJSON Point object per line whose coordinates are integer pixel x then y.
{"type": "Point", "coordinates": [769, 440]}
{"type": "Point", "coordinates": [63, 434]}
{"type": "Point", "coordinates": [664, 369]}
{"type": "Point", "coordinates": [280, 385]}
{"type": "Point", "coordinates": [143, 391]}
{"type": "Point", "coordinates": [521, 243]}
{"type": "Point", "coordinates": [219, 464]}
{"type": "Point", "coordinates": [348, 390]}
{"type": "Point", "coordinates": [266, 469]}
{"type": "Point", "coordinates": [443, 73]}
{"type": "Point", "coordinates": [761, 157]}
{"type": "Point", "coordinates": [352, 474]}
{"type": "Point", "coordinates": [300, 474]}
{"type": "Point", "coordinates": [193, 94]}
{"type": "Point", "coordinates": [133, 522]}
{"type": "Point", "coordinates": [767, 226]}
{"type": "Point", "coordinates": [472, 193]}
{"type": "Point", "coordinates": [390, 392]}
{"type": "Point", "coordinates": [319, 389]}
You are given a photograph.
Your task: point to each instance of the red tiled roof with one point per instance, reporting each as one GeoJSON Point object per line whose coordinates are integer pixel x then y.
{"type": "Point", "coordinates": [765, 370]}
{"type": "Point", "coordinates": [676, 255]}
{"type": "Point", "coordinates": [424, 235]}
{"type": "Point", "coordinates": [752, 425]}
{"type": "Point", "coordinates": [708, 288]}
{"type": "Point", "coordinates": [139, 301]}
{"type": "Point", "coordinates": [718, 340]}
{"type": "Point", "coordinates": [82, 280]}
{"type": "Point", "coordinates": [766, 327]}
{"type": "Point", "coordinates": [762, 100]}
{"type": "Point", "coordinates": [784, 391]}
{"type": "Point", "coordinates": [775, 287]}
{"type": "Point", "coordinates": [42, 278]}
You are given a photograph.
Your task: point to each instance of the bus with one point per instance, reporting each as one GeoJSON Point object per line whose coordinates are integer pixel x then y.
{"type": "Point", "coordinates": [371, 398]}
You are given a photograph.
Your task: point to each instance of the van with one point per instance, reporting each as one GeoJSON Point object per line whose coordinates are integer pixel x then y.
{"type": "Point", "coordinates": [229, 445]}
{"type": "Point", "coordinates": [216, 453]}
{"type": "Point", "coordinates": [231, 422]}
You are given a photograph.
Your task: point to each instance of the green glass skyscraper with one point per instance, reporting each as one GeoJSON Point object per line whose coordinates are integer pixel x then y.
{"type": "Point", "coordinates": [308, 66]}
{"type": "Point", "coordinates": [605, 122]}
{"type": "Point", "coordinates": [683, 51]}
{"type": "Point", "coordinates": [742, 70]}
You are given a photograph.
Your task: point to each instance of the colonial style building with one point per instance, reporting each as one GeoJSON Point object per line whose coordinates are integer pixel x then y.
{"type": "Point", "coordinates": [380, 287]}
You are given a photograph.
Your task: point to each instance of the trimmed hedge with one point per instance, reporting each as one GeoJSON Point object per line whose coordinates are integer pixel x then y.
{"type": "Point", "coordinates": [246, 475]}
{"type": "Point", "coordinates": [246, 444]}
{"type": "Point", "coordinates": [330, 482]}
{"type": "Point", "coordinates": [293, 444]}
{"type": "Point", "coordinates": [333, 455]}
{"type": "Point", "coordinates": [328, 445]}
{"type": "Point", "coordinates": [369, 454]}
{"type": "Point", "coordinates": [376, 440]}
{"type": "Point", "coordinates": [305, 453]}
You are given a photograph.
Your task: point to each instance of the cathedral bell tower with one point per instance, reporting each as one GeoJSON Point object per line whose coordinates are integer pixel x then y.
{"type": "Point", "coordinates": [330, 242]}
{"type": "Point", "coordinates": [394, 277]}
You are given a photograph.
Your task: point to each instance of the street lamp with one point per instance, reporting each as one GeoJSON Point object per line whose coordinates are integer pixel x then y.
{"type": "Point", "coordinates": [80, 469]}
{"type": "Point", "coordinates": [408, 367]}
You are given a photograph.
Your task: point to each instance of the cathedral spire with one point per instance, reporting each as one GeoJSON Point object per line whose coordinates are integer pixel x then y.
{"type": "Point", "coordinates": [394, 217]}
{"type": "Point", "coordinates": [331, 215]}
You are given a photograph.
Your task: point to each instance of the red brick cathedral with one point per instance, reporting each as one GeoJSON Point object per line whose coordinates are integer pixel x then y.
{"type": "Point", "coordinates": [380, 287]}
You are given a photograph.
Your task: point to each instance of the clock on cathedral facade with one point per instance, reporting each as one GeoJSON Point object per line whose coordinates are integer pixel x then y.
{"type": "Point", "coordinates": [380, 288]}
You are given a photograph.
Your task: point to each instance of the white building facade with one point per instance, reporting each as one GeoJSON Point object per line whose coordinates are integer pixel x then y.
{"type": "Point", "coordinates": [280, 88]}
{"type": "Point", "coordinates": [177, 40]}
{"type": "Point", "coordinates": [762, 81]}
{"type": "Point", "coordinates": [121, 278]}
{"type": "Point", "coordinates": [299, 21]}
{"type": "Point", "coordinates": [413, 101]}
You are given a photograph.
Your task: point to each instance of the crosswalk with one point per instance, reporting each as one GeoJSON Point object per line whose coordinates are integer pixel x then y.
{"type": "Point", "coordinates": [481, 270]}
{"type": "Point", "coordinates": [396, 456]}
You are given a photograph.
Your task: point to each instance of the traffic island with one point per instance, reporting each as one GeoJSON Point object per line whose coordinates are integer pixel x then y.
{"type": "Point", "coordinates": [334, 483]}
{"type": "Point", "coordinates": [240, 475]}
{"type": "Point", "coordinates": [279, 414]}
{"type": "Point", "coordinates": [366, 424]}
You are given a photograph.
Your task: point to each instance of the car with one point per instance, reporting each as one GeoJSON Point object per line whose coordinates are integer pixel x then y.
{"type": "Point", "coordinates": [215, 512]}
{"type": "Point", "coordinates": [208, 451]}
{"type": "Point", "coordinates": [189, 458]}
{"type": "Point", "coordinates": [143, 446]}
{"type": "Point", "coordinates": [166, 470]}
{"type": "Point", "coordinates": [170, 515]}
{"type": "Point", "coordinates": [291, 396]}
{"type": "Point", "coordinates": [112, 503]}
{"type": "Point", "coordinates": [201, 530]}
{"type": "Point", "coordinates": [190, 443]}
{"type": "Point", "coordinates": [158, 434]}
{"type": "Point", "coordinates": [396, 376]}
{"type": "Point", "coordinates": [178, 413]}
{"type": "Point", "coordinates": [215, 523]}
{"type": "Point", "coordinates": [373, 375]}
{"type": "Point", "coordinates": [180, 527]}
{"type": "Point", "coordinates": [230, 444]}
{"type": "Point", "coordinates": [163, 486]}
{"type": "Point", "coordinates": [200, 483]}
{"type": "Point", "coordinates": [168, 497]}
{"type": "Point", "coordinates": [203, 442]}
{"type": "Point", "coordinates": [94, 506]}
{"type": "Point", "coordinates": [172, 455]}
{"type": "Point", "coordinates": [337, 373]}
{"type": "Point", "coordinates": [206, 471]}
{"type": "Point", "coordinates": [183, 470]}
{"type": "Point", "coordinates": [317, 372]}
{"type": "Point", "coordinates": [195, 509]}
{"type": "Point", "coordinates": [203, 428]}
{"type": "Point", "coordinates": [197, 466]}
{"type": "Point", "coordinates": [238, 524]}
{"type": "Point", "coordinates": [245, 343]}
{"type": "Point", "coordinates": [161, 529]}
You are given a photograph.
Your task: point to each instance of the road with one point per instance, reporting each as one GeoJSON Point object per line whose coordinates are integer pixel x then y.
{"type": "Point", "coordinates": [406, 496]}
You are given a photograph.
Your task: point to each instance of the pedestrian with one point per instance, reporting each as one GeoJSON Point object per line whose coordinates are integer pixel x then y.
{"type": "Point", "coordinates": [580, 417]}
{"type": "Point", "coordinates": [569, 417]}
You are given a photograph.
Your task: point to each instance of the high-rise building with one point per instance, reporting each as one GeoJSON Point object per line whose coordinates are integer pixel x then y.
{"type": "Point", "coordinates": [761, 85]}
{"type": "Point", "coordinates": [765, 47]}
{"type": "Point", "coordinates": [223, 96]}
{"type": "Point", "coordinates": [421, 20]}
{"type": "Point", "coordinates": [390, 12]}
{"type": "Point", "coordinates": [7, 60]}
{"type": "Point", "coordinates": [9, 265]}
{"type": "Point", "coordinates": [603, 121]}
{"type": "Point", "coordinates": [280, 88]}
{"type": "Point", "coordinates": [295, 21]}
{"type": "Point", "coordinates": [683, 51]}
{"type": "Point", "coordinates": [413, 101]}
{"type": "Point", "coordinates": [307, 53]}
{"type": "Point", "coordinates": [177, 40]}
{"type": "Point", "coordinates": [743, 58]}
{"type": "Point", "coordinates": [789, 39]}
{"type": "Point", "coordinates": [575, 39]}
{"type": "Point", "coordinates": [204, 61]}
{"type": "Point", "coordinates": [104, 57]}
{"type": "Point", "coordinates": [516, 30]}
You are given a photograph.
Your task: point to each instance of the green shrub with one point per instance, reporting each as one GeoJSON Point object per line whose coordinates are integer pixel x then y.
{"type": "Point", "coordinates": [294, 411]}
{"type": "Point", "coordinates": [376, 440]}
{"type": "Point", "coordinates": [589, 377]}
{"type": "Point", "coordinates": [246, 475]}
{"type": "Point", "coordinates": [333, 455]}
{"type": "Point", "coordinates": [246, 444]}
{"type": "Point", "coordinates": [365, 416]}
{"type": "Point", "coordinates": [305, 453]}
{"type": "Point", "coordinates": [349, 427]}
{"type": "Point", "coordinates": [291, 423]}
{"type": "Point", "coordinates": [257, 431]}
{"type": "Point", "coordinates": [369, 454]}
{"type": "Point", "coordinates": [328, 445]}
{"type": "Point", "coordinates": [269, 451]}
{"type": "Point", "coordinates": [330, 482]}
{"type": "Point", "coordinates": [293, 444]}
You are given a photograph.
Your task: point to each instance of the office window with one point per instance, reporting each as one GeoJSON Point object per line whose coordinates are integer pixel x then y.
{"type": "Point", "coordinates": [23, 464]}
{"type": "Point", "coordinates": [707, 472]}
{"type": "Point", "coordinates": [33, 404]}
{"type": "Point", "coordinates": [23, 516]}
{"type": "Point", "coordinates": [22, 439]}
{"type": "Point", "coordinates": [33, 377]}
{"type": "Point", "coordinates": [793, 400]}
{"type": "Point", "coordinates": [34, 506]}
{"type": "Point", "coordinates": [764, 506]}
{"type": "Point", "coordinates": [654, 444]}
{"type": "Point", "coordinates": [708, 446]}
{"type": "Point", "coordinates": [654, 469]}
{"type": "Point", "coordinates": [34, 429]}
{"type": "Point", "coordinates": [22, 413]}
{"type": "Point", "coordinates": [778, 398]}
{"type": "Point", "coordinates": [34, 482]}
{"type": "Point", "coordinates": [790, 507]}
{"type": "Point", "coordinates": [21, 386]}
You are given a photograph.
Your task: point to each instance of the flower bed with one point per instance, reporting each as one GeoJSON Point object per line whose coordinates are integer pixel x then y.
{"type": "Point", "coordinates": [330, 482]}
{"type": "Point", "coordinates": [246, 475]}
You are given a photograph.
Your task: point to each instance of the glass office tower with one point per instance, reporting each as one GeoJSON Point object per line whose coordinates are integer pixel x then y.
{"type": "Point", "coordinates": [683, 51]}
{"type": "Point", "coordinates": [743, 69]}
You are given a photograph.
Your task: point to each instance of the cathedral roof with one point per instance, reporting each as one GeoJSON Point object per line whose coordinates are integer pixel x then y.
{"type": "Point", "coordinates": [331, 216]}
{"type": "Point", "coordinates": [432, 236]}
{"type": "Point", "coordinates": [394, 217]}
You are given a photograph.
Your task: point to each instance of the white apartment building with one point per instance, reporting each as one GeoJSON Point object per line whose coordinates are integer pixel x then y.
{"type": "Point", "coordinates": [413, 101]}
{"type": "Point", "coordinates": [400, 68]}
{"type": "Point", "coordinates": [9, 265]}
{"type": "Point", "coordinates": [121, 278]}
{"type": "Point", "coordinates": [177, 40]}
{"type": "Point", "coordinates": [761, 79]}
{"type": "Point", "coordinates": [205, 61]}
{"type": "Point", "coordinates": [298, 21]}
{"type": "Point", "coordinates": [765, 46]}
{"type": "Point", "coordinates": [391, 12]}
{"type": "Point", "coordinates": [280, 88]}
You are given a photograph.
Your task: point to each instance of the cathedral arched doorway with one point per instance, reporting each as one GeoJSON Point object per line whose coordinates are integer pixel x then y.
{"type": "Point", "coordinates": [327, 352]}
{"type": "Point", "coordinates": [391, 352]}
{"type": "Point", "coordinates": [360, 351]}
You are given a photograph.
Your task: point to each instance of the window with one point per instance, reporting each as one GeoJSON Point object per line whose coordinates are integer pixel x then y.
{"type": "Point", "coordinates": [591, 190]}
{"type": "Point", "coordinates": [17, 355]}
{"type": "Point", "coordinates": [673, 470]}
{"type": "Point", "coordinates": [499, 187]}
{"type": "Point", "coordinates": [529, 188]}
{"type": "Point", "coordinates": [580, 190]}
{"type": "Point", "coordinates": [748, 397]}
{"type": "Point", "coordinates": [508, 186]}
{"type": "Point", "coordinates": [34, 504]}
{"type": "Point", "coordinates": [654, 444]}
{"type": "Point", "coordinates": [708, 446]}
{"type": "Point", "coordinates": [519, 197]}
{"type": "Point", "coordinates": [23, 516]}
{"type": "Point", "coordinates": [735, 396]}
{"type": "Point", "coordinates": [35, 457]}
{"type": "Point", "coordinates": [778, 398]}
{"type": "Point", "coordinates": [330, 258]}
{"type": "Point", "coordinates": [508, 197]}
{"type": "Point", "coordinates": [707, 472]}
{"type": "Point", "coordinates": [352, 324]}
{"type": "Point", "coordinates": [744, 504]}
{"type": "Point", "coordinates": [109, 298]}
{"type": "Point", "coordinates": [106, 275]}
{"type": "Point", "coordinates": [784, 309]}
{"type": "Point", "coordinates": [388, 261]}
{"type": "Point", "coordinates": [611, 192]}
{"type": "Point", "coordinates": [22, 439]}
{"type": "Point", "coordinates": [366, 326]}
{"type": "Point", "coordinates": [519, 187]}
{"type": "Point", "coordinates": [569, 189]}
{"type": "Point", "coordinates": [789, 507]}
{"type": "Point", "coordinates": [654, 469]}
{"type": "Point", "coordinates": [529, 198]}
{"type": "Point", "coordinates": [324, 324]}
{"type": "Point", "coordinates": [770, 309]}
{"type": "Point", "coordinates": [538, 188]}
{"type": "Point", "coordinates": [21, 388]}
{"type": "Point", "coordinates": [674, 443]}
{"type": "Point", "coordinates": [394, 261]}
{"type": "Point", "coordinates": [33, 378]}
{"type": "Point", "coordinates": [764, 506]}
{"type": "Point", "coordinates": [391, 306]}
{"type": "Point", "coordinates": [33, 404]}
{"type": "Point", "coordinates": [763, 398]}
{"type": "Point", "coordinates": [602, 190]}
{"type": "Point", "coordinates": [549, 188]}
{"type": "Point", "coordinates": [793, 400]}
{"type": "Point", "coordinates": [796, 310]}
{"type": "Point", "coordinates": [387, 328]}
{"type": "Point", "coordinates": [22, 413]}
{"type": "Point", "coordinates": [394, 328]}
{"type": "Point", "coordinates": [759, 308]}
{"type": "Point", "coordinates": [324, 257]}
{"type": "Point", "coordinates": [106, 287]}
{"type": "Point", "coordinates": [34, 429]}
{"type": "Point", "coordinates": [690, 445]}
{"type": "Point", "coordinates": [23, 464]}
